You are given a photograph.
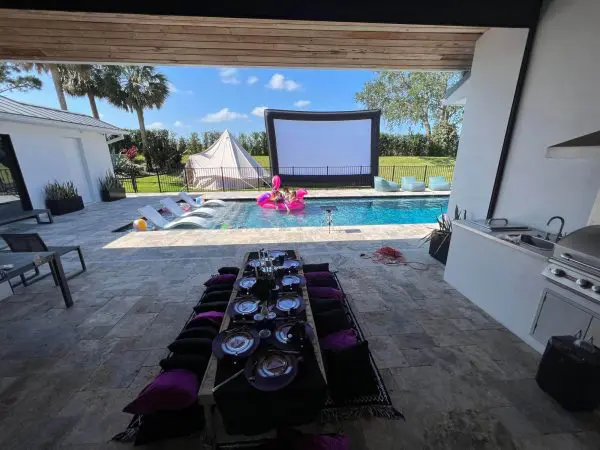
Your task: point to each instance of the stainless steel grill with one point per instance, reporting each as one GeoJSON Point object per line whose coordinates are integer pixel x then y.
{"type": "Point", "coordinates": [575, 263]}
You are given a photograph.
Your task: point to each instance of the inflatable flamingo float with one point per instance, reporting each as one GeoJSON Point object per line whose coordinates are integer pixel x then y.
{"type": "Point", "coordinates": [267, 200]}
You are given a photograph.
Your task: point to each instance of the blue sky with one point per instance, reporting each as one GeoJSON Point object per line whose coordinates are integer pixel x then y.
{"type": "Point", "coordinates": [209, 98]}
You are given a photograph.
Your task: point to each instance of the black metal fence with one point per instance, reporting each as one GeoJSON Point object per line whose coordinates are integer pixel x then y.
{"type": "Point", "coordinates": [239, 179]}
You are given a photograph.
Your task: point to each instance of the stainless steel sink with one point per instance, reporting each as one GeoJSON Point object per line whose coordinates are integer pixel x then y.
{"type": "Point", "coordinates": [536, 242]}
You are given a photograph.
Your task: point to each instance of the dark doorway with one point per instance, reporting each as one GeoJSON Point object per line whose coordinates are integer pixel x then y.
{"type": "Point", "coordinates": [14, 197]}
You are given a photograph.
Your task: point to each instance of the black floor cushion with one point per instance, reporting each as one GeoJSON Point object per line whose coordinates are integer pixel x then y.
{"type": "Point", "coordinates": [212, 306]}
{"type": "Point", "coordinates": [215, 296]}
{"type": "Point", "coordinates": [349, 372]}
{"type": "Point", "coordinates": [229, 270]}
{"type": "Point", "coordinates": [170, 424]}
{"type": "Point", "coordinates": [217, 287]}
{"type": "Point", "coordinates": [323, 267]}
{"type": "Point", "coordinates": [204, 322]}
{"type": "Point", "coordinates": [196, 346]}
{"type": "Point", "coordinates": [199, 332]}
{"type": "Point", "coordinates": [332, 321]}
{"type": "Point", "coordinates": [320, 305]}
{"type": "Point", "coordinates": [193, 363]}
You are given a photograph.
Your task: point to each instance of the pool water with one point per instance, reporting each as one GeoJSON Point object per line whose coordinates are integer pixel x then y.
{"type": "Point", "coordinates": [348, 212]}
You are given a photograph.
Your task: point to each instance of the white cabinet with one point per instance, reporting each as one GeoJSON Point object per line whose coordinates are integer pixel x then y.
{"type": "Point", "coordinates": [557, 316]}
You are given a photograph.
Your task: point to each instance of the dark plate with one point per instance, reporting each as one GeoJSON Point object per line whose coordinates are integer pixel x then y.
{"type": "Point", "coordinates": [237, 343]}
{"type": "Point", "coordinates": [280, 335]}
{"type": "Point", "coordinates": [291, 264]}
{"type": "Point", "coordinates": [246, 283]}
{"type": "Point", "coordinates": [289, 305]}
{"type": "Point", "coordinates": [288, 281]}
{"type": "Point", "coordinates": [271, 370]}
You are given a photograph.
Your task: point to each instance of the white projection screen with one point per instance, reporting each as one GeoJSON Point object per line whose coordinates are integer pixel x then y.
{"type": "Point", "coordinates": [324, 148]}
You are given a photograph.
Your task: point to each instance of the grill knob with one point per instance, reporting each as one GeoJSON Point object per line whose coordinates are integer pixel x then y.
{"type": "Point", "coordinates": [557, 272]}
{"type": "Point", "coordinates": [582, 282]}
{"type": "Point", "coordinates": [596, 289]}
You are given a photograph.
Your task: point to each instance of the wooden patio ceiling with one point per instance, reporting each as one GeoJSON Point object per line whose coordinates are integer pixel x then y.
{"type": "Point", "coordinates": [158, 39]}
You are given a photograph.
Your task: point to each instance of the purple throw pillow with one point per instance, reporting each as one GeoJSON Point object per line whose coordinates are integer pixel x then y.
{"type": "Point", "coordinates": [214, 315]}
{"type": "Point", "coordinates": [326, 442]}
{"type": "Point", "coordinates": [323, 279]}
{"type": "Point", "coordinates": [172, 390]}
{"type": "Point", "coordinates": [339, 340]}
{"type": "Point", "coordinates": [226, 278]}
{"type": "Point", "coordinates": [324, 292]}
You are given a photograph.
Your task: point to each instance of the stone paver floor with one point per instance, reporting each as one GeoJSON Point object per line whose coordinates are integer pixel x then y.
{"type": "Point", "coordinates": [462, 380]}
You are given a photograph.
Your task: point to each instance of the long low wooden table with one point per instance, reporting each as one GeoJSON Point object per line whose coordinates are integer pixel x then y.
{"type": "Point", "coordinates": [205, 394]}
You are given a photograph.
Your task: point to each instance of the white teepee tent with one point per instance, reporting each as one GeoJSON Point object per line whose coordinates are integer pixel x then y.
{"type": "Point", "coordinates": [225, 165]}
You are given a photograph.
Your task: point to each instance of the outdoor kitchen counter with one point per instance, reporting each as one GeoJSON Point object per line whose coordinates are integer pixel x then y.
{"type": "Point", "coordinates": [497, 237]}
{"type": "Point", "coordinates": [502, 278]}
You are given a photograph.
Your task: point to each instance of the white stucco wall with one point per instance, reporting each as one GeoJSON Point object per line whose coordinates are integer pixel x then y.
{"type": "Point", "coordinates": [48, 153]}
{"type": "Point", "coordinates": [489, 93]}
{"type": "Point", "coordinates": [561, 100]}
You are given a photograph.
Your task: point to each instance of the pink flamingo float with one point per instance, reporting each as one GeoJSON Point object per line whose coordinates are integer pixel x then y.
{"type": "Point", "coordinates": [268, 199]}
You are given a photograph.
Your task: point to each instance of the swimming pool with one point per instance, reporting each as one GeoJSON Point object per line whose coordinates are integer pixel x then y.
{"type": "Point", "coordinates": [348, 212]}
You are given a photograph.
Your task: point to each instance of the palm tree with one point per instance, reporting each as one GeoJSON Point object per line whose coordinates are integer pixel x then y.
{"type": "Point", "coordinates": [55, 71]}
{"type": "Point", "coordinates": [135, 88]}
{"type": "Point", "coordinates": [81, 80]}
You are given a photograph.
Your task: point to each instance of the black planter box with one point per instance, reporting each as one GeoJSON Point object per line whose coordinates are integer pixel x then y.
{"type": "Point", "coordinates": [65, 206]}
{"type": "Point", "coordinates": [439, 245]}
{"type": "Point", "coordinates": [113, 194]}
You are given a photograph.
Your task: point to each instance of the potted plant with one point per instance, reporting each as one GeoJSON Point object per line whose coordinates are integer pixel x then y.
{"type": "Point", "coordinates": [111, 188]}
{"type": "Point", "coordinates": [439, 240]}
{"type": "Point", "coordinates": [62, 198]}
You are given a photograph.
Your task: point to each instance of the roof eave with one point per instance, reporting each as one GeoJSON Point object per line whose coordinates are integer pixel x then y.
{"type": "Point", "coordinates": [49, 122]}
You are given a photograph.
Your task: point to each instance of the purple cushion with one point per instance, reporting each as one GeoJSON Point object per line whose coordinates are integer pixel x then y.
{"type": "Point", "coordinates": [324, 292]}
{"type": "Point", "coordinates": [324, 279]}
{"type": "Point", "coordinates": [214, 315]}
{"type": "Point", "coordinates": [340, 340]}
{"type": "Point", "coordinates": [226, 278]}
{"type": "Point", "coordinates": [325, 442]}
{"type": "Point", "coordinates": [172, 390]}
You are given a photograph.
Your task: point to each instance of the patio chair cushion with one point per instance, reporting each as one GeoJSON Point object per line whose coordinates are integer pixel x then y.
{"type": "Point", "coordinates": [349, 372]}
{"type": "Point", "coordinates": [322, 279]}
{"type": "Point", "coordinates": [170, 390]}
{"type": "Point", "coordinates": [226, 278]}
{"type": "Point", "coordinates": [321, 267]}
{"type": "Point", "coordinates": [331, 322]}
{"type": "Point", "coordinates": [340, 340]}
{"type": "Point", "coordinates": [170, 424]}
{"type": "Point", "coordinates": [211, 306]}
{"type": "Point", "coordinates": [229, 270]}
{"type": "Point", "coordinates": [193, 363]}
{"type": "Point", "coordinates": [199, 332]}
{"type": "Point", "coordinates": [324, 304]}
{"type": "Point", "coordinates": [196, 346]}
{"type": "Point", "coordinates": [325, 292]}
{"type": "Point", "coordinates": [215, 296]}
{"type": "Point", "coordinates": [218, 287]}
{"type": "Point", "coordinates": [213, 322]}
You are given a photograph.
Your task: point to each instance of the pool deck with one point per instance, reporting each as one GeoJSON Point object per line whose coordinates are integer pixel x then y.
{"type": "Point", "coordinates": [461, 379]}
{"type": "Point", "coordinates": [314, 193]}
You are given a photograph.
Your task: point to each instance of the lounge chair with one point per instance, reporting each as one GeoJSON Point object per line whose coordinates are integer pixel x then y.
{"type": "Point", "coordinates": [383, 185]}
{"type": "Point", "coordinates": [190, 201]}
{"type": "Point", "coordinates": [32, 242]}
{"type": "Point", "coordinates": [181, 222]}
{"type": "Point", "coordinates": [176, 210]}
{"type": "Point", "coordinates": [411, 184]}
{"type": "Point", "coordinates": [438, 184]}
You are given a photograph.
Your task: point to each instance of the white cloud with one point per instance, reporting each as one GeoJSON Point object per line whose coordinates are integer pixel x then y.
{"type": "Point", "coordinates": [279, 82]}
{"type": "Point", "coordinates": [223, 116]}
{"type": "Point", "coordinates": [259, 111]}
{"type": "Point", "coordinates": [172, 88]}
{"type": "Point", "coordinates": [156, 126]}
{"type": "Point", "coordinates": [252, 79]}
{"type": "Point", "coordinates": [228, 75]}
{"type": "Point", "coordinates": [302, 103]}
{"type": "Point", "coordinates": [180, 124]}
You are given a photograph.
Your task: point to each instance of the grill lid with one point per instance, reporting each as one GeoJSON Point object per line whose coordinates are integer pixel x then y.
{"type": "Point", "coordinates": [580, 248]}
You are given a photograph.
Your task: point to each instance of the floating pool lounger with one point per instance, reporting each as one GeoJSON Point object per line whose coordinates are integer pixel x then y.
{"type": "Point", "coordinates": [192, 202]}
{"type": "Point", "coordinates": [176, 210]}
{"type": "Point", "coordinates": [182, 222]}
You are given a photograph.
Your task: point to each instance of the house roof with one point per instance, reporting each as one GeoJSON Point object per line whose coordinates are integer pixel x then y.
{"type": "Point", "coordinates": [25, 112]}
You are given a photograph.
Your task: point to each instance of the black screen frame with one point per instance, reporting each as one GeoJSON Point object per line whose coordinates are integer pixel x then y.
{"type": "Point", "coordinates": [374, 115]}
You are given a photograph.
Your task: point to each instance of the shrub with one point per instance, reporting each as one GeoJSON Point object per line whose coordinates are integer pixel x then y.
{"type": "Point", "coordinates": [130, 153]}
{"type": "Point", "coordinates": [60, 191]}
{"type": "Point", "coordinates": [122, 166]}
{"type": "Point", "coordinates": [109, 182]}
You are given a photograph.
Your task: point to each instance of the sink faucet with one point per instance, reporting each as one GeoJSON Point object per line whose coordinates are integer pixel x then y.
{"type": "Point", "coordinates": [560, 230]}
